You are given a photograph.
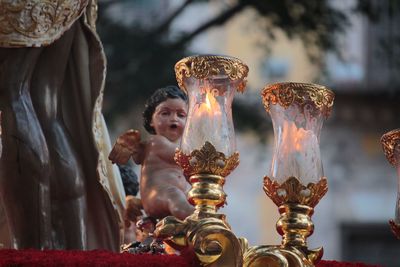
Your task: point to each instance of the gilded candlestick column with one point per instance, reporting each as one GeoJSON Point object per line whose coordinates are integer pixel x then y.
{"type": "Point", "coordinates": [296, 182]}
{"type": "Point", "coordinates": [391, 146]}
{"type": "Point", "coordinates": [207, 155]}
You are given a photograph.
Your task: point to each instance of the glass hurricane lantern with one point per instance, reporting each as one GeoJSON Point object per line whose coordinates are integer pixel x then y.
{"type": "Point", "coordinates": [296, 181]}
{"type": "Point", "coordinates": [207, 155]}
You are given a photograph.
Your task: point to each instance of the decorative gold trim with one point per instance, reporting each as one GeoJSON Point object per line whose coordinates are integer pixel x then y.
{"type": "Point", "coordinates": [203, 66]}
{"type": "Point", "coordinates": [294, 225]}
{"type": "Point", "coordinates": [302, 94]}
{"type": "Point", "coordinates": [292, 191]}
{"type": "Point", "coordinates": [207, 160]}
{"type": "Point", "coordinates": [205, 231]}
{"type": "Point", "coordinates": [395, 227]}
{"type": "Point", "coordinates": [36, 22]}
{"type": "Point", "coordinates": [389, 142]}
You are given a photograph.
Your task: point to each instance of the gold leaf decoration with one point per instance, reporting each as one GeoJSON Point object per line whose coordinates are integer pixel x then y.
{"type": "Point", "coordinates": [285, 94]}
{"type": "Point", "coordinates": [26, 23]}
{"type": "Point", "coordinates": [202, 67]}
{"type": "Point", "coordinates": [207, 160]}
{"type": "Point", "coordinates": [292, 191]}
{"type": "Point", "coordinates": [389, 142]}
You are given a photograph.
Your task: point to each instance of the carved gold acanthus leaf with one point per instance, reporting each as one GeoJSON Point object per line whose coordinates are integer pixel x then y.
{"type": "Point", "coordinates": [389, 142]}
{"type": "Point", "coordinates": [302, 94]}
{"type": "Point", "coordinates": [206, 160]}
{"type": "Point", "coordinates": [292, 191]}
{"type": "Point", "coordinates": [27, 23]}
{"type": "Point", "coordinates": [205, 66]}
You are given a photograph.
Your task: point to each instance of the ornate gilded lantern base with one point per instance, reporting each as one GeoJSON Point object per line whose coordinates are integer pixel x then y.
{"type": "Point", "coordinates": [296, 204]}
{"type": "Point", "coordinates": [206, 231]}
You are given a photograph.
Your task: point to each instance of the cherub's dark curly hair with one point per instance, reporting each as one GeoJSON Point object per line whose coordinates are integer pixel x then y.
{"type": "Point", "coordinates": [159, 96]}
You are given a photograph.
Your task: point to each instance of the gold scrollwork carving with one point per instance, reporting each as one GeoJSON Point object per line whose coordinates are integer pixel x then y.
{"type": "Point", "coordinates": [207, 160]}
{"type": "Point", "coordinates": [292, 191]}
{"type": "Point", "coordinates": [302, 94]}
{"type": "Point", "coordinates": [389, 142]}
{"type": "Point", "coordinates": [25, 23]}
{"type": "Point", "coordinates": [201, 67]}
{"type": "Point", "coordinates": [212, 241]}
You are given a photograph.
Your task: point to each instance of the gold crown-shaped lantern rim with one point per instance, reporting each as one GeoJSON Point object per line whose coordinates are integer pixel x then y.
{"type": "Point", "coordinates": [287, 93]}
{"type": "Point", "coordinates": [389, 142]}
{"type": "Point", "coordinates": [295, 191]}
{"type": "Point", "coordinates": [206, 160]}
{"type": "Point", "coordinates": [202, 66]}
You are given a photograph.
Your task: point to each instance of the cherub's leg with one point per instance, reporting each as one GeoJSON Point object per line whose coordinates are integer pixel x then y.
{"type": "Point", "coordinates": [68, 193]}
{"type": "Point", "coordinates": [178, 205]}
{"type": "Point", "coordinates": [24, 178]}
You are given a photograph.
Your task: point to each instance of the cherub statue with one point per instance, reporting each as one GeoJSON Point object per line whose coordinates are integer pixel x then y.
{"type": "Point", "coordinates": [162, 183]}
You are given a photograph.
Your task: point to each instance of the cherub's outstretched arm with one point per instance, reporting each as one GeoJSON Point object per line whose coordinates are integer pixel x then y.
{"type": "Point", "coordinates": [128, 145]}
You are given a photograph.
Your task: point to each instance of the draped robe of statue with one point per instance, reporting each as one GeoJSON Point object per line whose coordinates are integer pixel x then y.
{"type": "Point", "coordinates": [57, 187]}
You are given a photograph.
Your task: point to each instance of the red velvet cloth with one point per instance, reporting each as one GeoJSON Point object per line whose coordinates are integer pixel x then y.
{"type": "Point", "coordinates": [30, 257]}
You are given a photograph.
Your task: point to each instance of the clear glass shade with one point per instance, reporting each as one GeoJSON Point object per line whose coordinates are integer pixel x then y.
{"type": "Point", "coordinates": [297, 111]}
{"type": "Point", "coordinates": [296, 150]}
{"type": "Point", "coordinates": [210, 82]}
{"type": "Point", "coordinates": [210, 114]}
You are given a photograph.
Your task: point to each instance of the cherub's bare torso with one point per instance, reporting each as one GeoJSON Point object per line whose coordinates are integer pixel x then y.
{"type": "Point", "coordinates": [161, 177]}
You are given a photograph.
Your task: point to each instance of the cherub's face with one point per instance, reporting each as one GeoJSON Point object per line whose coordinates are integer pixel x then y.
{"type": "Point", "coordinates": [169, 118]}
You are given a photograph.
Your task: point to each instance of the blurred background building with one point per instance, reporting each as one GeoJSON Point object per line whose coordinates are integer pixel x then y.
{"type": "Point", "coordinates": [352, 46]}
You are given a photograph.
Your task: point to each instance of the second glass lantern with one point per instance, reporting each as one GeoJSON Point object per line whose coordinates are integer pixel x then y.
{"type": "Point", "coordinates": [296, 181]}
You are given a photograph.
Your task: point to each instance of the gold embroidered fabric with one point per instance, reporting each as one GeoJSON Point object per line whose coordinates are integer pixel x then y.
{"type": "Point", "coordinates": [35, 23]}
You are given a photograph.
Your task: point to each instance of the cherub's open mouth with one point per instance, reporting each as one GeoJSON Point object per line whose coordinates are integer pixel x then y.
{"type": "Point", "coordinates": [173, 126]}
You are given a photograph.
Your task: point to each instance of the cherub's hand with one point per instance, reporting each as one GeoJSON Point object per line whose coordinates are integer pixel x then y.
{"type": "Point", "coordinates": [127, 145]}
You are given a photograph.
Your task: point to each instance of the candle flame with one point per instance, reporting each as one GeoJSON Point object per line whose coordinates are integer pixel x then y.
{"type": "Point", "coordinates": [210, 105]}
{"type": "Point", "coordinates": [208, 102]}
{"type": "Point", "coordinates": [297, 136]}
